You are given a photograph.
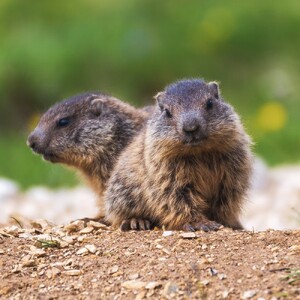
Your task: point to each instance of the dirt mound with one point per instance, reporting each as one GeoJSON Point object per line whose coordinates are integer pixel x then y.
{"type": "Point", "coordinates": [95, 262]}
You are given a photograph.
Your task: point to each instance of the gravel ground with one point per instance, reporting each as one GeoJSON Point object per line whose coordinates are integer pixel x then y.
{"type": "Point", "coordinates": [92, 261]}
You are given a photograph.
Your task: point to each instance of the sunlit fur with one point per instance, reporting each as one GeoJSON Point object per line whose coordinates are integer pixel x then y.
{"type": "Point", "coordinates": [162, 178]}
{"type": "Point", "coordinates": [100, 127]}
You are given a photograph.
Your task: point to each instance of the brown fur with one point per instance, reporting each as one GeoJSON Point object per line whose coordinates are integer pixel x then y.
{"type": "Point", "coordinates": [183, 179]}
{"type": "Point", "coordinates": [99, 127]}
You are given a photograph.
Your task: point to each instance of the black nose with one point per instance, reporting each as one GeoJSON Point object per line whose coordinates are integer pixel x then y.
{"type": "Point", "coordinates": [31, 142]}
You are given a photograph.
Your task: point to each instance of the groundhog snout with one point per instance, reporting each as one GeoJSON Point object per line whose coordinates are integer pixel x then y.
{"type": "Point", "coordinates": [193, 128]}
{"type": "Point", "coordinates": [35, 141]}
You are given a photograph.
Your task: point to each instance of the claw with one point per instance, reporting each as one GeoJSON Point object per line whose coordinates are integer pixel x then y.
{"type": "Point", "coordinates": [125, 225]}
{"type": "Point", "coordinates": [188, 227]}
{"type": "Point", "coordinates": [203, 225]}
{"type": "Point", "coordinates": [135, 224]}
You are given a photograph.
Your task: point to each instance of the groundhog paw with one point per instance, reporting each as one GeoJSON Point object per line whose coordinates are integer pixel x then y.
{"type": "Point", "coordinates": [135, 224]}
{"type": "Point", "coordinates": [203, 225]}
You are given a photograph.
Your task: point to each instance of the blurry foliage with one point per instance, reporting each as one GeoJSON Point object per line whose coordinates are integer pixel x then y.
{"type": "Point", "coordinates": [53, 49]}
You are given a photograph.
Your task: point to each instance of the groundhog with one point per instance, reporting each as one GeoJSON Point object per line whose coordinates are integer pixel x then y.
{"type": "Point", "coordinates": [188, 169]}
{"type": "Point", "coordinates": [87, 132]}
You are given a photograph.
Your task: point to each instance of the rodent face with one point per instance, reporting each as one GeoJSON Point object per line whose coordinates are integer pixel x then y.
{"type": "Point", "coordinates": [76, 131]}
{"type": "Point", "coordinates": [191, 114]}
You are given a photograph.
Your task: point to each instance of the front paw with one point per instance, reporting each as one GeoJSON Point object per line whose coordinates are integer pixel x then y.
{"type": "Point", "coordinates": [202, 225]}
{"type": "Point", "coordinates": [136, 224]}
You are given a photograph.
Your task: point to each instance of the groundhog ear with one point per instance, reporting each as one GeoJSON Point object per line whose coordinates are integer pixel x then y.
{"type": "Point", "coordinates": [96, 107]}
{"type": "Point", "coordinates": [214, 88]}
{"type": "Point", "coordinates": [158, 97]}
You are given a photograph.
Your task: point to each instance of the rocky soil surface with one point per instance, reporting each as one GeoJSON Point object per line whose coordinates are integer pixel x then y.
{"type": "Point", "coordinates": [82, 260]}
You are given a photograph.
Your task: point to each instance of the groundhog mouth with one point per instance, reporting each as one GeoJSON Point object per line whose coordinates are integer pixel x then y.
{"type": "Point", "coordinates": [194, 142]}
{"type": "Point", "coordinates": [51, 157]}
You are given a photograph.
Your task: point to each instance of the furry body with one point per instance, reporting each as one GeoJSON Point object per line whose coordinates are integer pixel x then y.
{"type": "Point", "coordinates": [189, 168]}
{"type": "Point", "coordinates": [87, 132]}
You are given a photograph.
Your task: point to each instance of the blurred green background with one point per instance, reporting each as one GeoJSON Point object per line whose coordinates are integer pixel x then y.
{"type": "Point", "coordinates": [51, 50]}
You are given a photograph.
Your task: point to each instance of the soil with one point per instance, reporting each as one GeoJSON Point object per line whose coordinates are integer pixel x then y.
{"type": "Point", "coordinates": [82, 260]}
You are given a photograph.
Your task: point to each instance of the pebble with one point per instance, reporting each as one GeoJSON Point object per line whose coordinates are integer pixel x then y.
{"type": "Point", "coordinates": [152, 285]}
{"type": "Point", "coordinates": [91, 248]}
{"type": "Point", "coordinates": [134, 276]}
{"type": "Point", "coordinates": [73, 272]}
{"type": "Point", "coordinates": [167, 233]}
{"type": "Point", "coordinates": [88, 229]}
{"type": "Point", "coordinates": [82, 251]}
{"type": "Point", "coordinates": [188, 235]}
{"type": "Point", "coordinates": [113, 269]}
{"type": "Point", "coordinates": [133, 284]}
{"type": "Point", "coordinates": [170, 288]}
{"type": "Point", "coordinates": [249, 294]}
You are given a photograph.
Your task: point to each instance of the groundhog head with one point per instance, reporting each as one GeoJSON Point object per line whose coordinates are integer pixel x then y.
{"type": "Point", "coordinates": [80, 130]}
{"type": "Point", "coordinates": [192, 114]}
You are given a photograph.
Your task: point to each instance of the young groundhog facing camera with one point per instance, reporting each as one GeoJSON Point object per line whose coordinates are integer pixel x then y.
{"type": "Point", "coordinates": [189, 168]}
{"type": "Point", "coordinates": [88, 132]}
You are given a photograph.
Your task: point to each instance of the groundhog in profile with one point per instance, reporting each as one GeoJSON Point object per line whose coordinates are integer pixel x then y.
{"type": "Point", "coordinates": [87, 132]}
{"type": "Point", "coordinates": [189, 168]}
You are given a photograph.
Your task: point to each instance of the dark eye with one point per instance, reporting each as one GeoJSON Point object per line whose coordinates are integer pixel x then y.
{"type": "Point", "coordinates": [167, 112]}
{"type": "Point", "coordinates": [209, 104]}
{"type": "Point", "coordinates": [63, 122]}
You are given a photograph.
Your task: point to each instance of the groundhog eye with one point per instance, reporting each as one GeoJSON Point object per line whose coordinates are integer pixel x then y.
{"type": "Point", "coordinates": [167, 112]}
{"type": "Point", "coordinates": [209, 104]}
{"type": "Point", "coordinates": [63, 122]}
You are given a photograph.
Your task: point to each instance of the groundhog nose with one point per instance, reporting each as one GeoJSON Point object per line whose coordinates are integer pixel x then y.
{"type": "Point", "coordinates": [190, 126]}
{"type": "Point", "coordinates": [31, 142]}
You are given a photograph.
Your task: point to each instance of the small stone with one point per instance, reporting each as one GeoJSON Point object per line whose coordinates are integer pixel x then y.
{"type": "Point", "coordinates": [222, 276]}
{"type": "Point", "coordinates": [141, 295]}
{"type": "Point", "coordinates": [74, 226]}
{"type": "Point", "coordinates": [225, 294]}
{"type": "Point", "coordinates": [133, 284]}
{"type": "Point", "coordinates": [41, 224]}
{"type": "Point", "coordinates": [73, 272]}
{"type": "Point", "coordinates": [88, 229]}
{"type": "Point", "coordinates": [295, 248]}
{"type": "Point", "coordinates": [152, 285]}
{"type": "Point", "coordinates": [82, 251]}
{"type": "Point", "coordinates": [97, 225]}
{"type": "Point", "coordinates": [2, 251]}
{"type": "Point", "coordinates": [204, 247]}
{"type": "Point", "coordinates": [170, 288]}
{"type": "Point", "coordinates": [51, 273]}
{"type": "Point", "coordinates": [113, 270]}
{"type": "Point", "coordinates": [249, 294]}
{"type": "Point", "coordinates": [134, 276]}
{"type": "Point", "coordinates": [212, 271]}
{"type": "Point", "coordinates": [38, 252]}
{"type": "Point", "coordinates": [25, 235]}
{"type": "Point", "coordinates": [91, 248]}
{"type": "Point", "coordinates": [188, 235]}
{"type": "Point", "coordinates": [167, 233]}
{"type": "Point", "coordinates": [205, 282]}
{"type": "Point", "coordinates": [68, 239]}
{"type": "Point", "coordinates": [81, 238]}
{"type": "Point", "coordinates": [29, 263]}
{"type": "Point", "coordinates": [13, 230]}
{"type": "Point", "coordinates": [16, 269]}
